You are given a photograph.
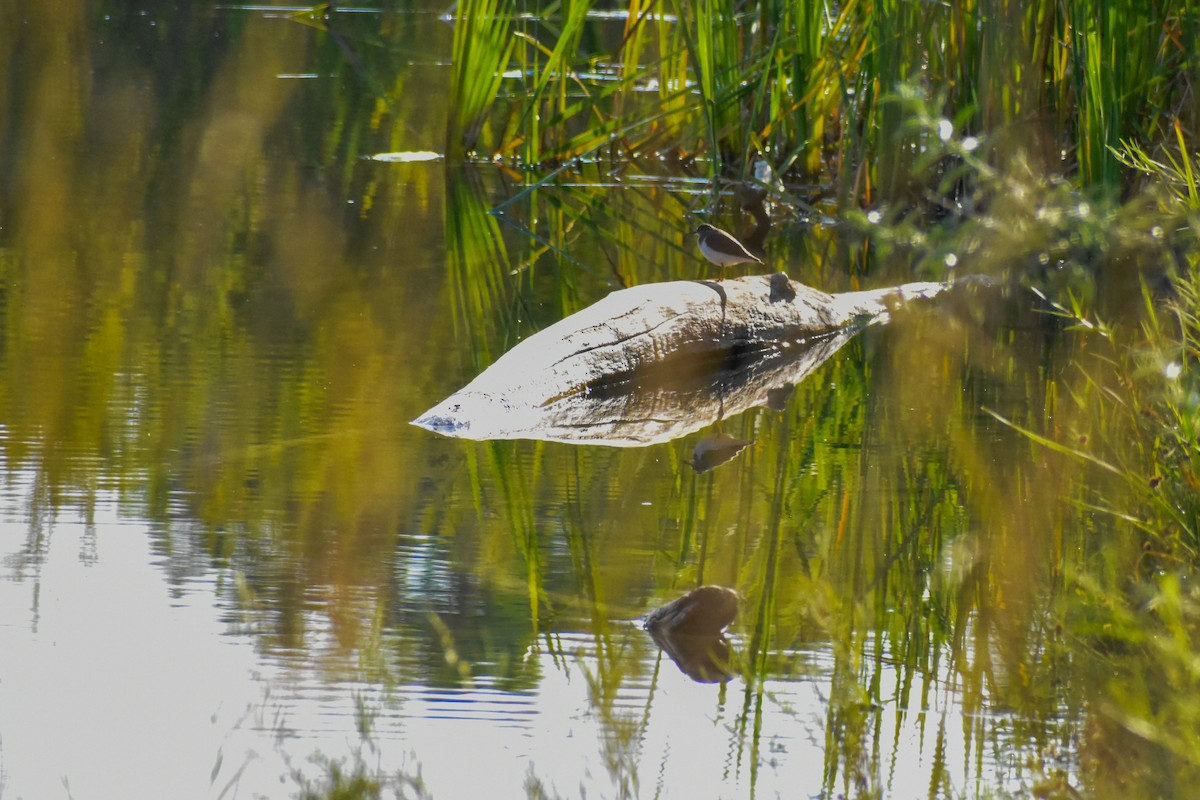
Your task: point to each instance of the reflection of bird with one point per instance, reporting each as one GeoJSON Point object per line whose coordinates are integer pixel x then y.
{"type": "Point", "coordinates": [722, 249]}
{"type": "Point", "coordinates": [713, 451]}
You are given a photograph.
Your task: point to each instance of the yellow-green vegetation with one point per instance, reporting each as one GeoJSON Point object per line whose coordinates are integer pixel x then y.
{"type": "Point", "coordinates": [214, 308]}
{"type": "Point", "coordinates": [1051, 143]}
{"type": "Point", "coordinates": [806, 83]}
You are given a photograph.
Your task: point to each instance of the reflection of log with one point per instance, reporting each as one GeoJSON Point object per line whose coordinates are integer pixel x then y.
{"type": "Point", "coordinates": [689, 630]}
{"type": "Point", "coordinates": [657, 361]}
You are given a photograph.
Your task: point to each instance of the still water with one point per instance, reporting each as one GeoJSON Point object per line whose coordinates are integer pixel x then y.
{"type": "Point", "coordinates": [230, 567]}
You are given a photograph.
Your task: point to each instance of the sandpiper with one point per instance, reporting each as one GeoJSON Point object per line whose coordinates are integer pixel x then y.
{"type": "Point", "coordinates": [722, 249]}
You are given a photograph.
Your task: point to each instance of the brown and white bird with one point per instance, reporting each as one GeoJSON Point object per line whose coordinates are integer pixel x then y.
{"type": "Point", "coordinates": [722, 249]}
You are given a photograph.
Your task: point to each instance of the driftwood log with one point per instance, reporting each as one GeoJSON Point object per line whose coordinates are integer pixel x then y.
{"type": "Point", "coordinates": [657, 361]}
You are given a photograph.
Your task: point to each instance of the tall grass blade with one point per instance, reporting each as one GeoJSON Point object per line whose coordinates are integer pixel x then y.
{"type": "Point", "coordinates": [481, 49]}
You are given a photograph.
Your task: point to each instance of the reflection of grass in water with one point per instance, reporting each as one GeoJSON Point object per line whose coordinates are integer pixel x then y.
{"type": "Point", "coordinates": [478, 261]}
{"type": "Point", "coordinates": [356, 781]}
{"type": "Point", "coordinates": [1121, 429]}
{"type": "Point", "coordinates": [848, 545]}
{"type": "Point", "coordinates": [852, 510]}
{"type": "Point", "coordinates": [850, 548]}
{"type": "Point", "coordinates": [1130, 605]}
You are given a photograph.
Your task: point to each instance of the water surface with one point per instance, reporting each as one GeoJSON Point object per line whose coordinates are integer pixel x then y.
{"type": "Point", "coordinates": [228, 561]}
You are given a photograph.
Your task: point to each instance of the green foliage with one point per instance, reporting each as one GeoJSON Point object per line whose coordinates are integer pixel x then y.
{"type": "Point", "coordinates": [1177, 173]}
{"type": "Point", "coordinates": [804, 84]}
{"type": "Point", "coordinates": [238, 361]}
{"type": "Point", "coordinates": [483, 44]}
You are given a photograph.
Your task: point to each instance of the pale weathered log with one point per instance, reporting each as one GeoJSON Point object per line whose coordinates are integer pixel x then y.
{"type": "Point", "coordinates": [656, 361]}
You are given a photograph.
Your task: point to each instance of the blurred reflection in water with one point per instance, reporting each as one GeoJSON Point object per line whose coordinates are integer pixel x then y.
{"type": "Point", "coordinates": [225, 549]}
{"type": "Point", "coordinates": [119, 669]}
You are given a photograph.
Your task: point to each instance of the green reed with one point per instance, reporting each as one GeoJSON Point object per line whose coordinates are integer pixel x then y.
{"type": "Point", "coordinates": [804, 84]}
{"type": "Point", "coordinates": [482, 47]}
